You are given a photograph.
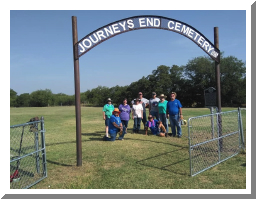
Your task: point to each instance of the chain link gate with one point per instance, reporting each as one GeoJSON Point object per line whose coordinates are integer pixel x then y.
{"type": "Point", "coordinates": [213, 139]}
{"type": "Point", "coordinates": [27, 154]}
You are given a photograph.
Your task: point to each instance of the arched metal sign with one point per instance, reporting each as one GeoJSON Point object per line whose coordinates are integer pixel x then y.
{"type": "Point", "coordinates": [135, 23]}
{"type": "Point", "coordinates": [143, 22]}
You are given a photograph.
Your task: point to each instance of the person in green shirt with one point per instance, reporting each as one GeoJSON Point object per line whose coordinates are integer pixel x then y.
{"type": "Point", "coordinates": [107, 112]}
{"type": "Point", "coordinates": [162, 106]}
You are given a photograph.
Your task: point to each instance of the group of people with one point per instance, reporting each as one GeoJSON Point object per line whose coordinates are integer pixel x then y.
{"type": "Point", "coordinates": [160, 110]}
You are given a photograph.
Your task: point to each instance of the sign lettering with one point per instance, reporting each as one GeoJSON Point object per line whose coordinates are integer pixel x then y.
{"type": "Point", "coordinates": [141, 22]}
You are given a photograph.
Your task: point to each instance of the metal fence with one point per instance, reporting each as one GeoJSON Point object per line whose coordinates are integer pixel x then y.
{"type": "Point", "coordinates": [214, 138]}
{"type": "Point", "coordinates": [27, 154]}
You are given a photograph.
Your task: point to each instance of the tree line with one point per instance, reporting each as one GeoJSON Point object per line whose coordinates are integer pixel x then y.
{"type": "Point", "coordinates": [189, 82]}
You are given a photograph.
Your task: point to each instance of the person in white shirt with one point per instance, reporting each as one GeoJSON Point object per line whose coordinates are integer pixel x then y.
{"type": "Point", "coordinates": [153, 106]}
{"type": "Point", "coordinates": [137, 115]}
{"type": "Point", "coordinates": [144, 103]}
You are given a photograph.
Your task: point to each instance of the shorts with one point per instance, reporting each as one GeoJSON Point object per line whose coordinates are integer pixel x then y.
{"type": "Point", "coordinates": [107, 121]}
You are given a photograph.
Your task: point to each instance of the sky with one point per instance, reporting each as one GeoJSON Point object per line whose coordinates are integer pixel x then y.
{"type": "Point", "coordinates": [41, 52]}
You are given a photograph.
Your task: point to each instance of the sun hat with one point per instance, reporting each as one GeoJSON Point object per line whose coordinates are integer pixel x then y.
{"type": "Point", "coordinates": [116, 110]}
{"type": "Point", "coordinates": [109, 99]}
{"type": "Point", "coordinates": [162, 95]}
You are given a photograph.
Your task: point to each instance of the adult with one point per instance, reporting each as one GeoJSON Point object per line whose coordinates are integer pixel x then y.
{"type": "Point", "coordinates": [162, 107]}
{"type": "Point", "coordinates": [144, 103]}
{"type": "Point", "coordinates": [153, 106]}
{"type": "Point", "coordinates": [137, 115]}
{"type": "Point", "coordinates": [107, 112]}
{"type": "Point", "coordinates": [174, 112]}
{"type": "Point", "coordinates": [156, 127]}
{"type": "Point", "coordinates": [125, 110]}
{"type": "Point", "coordinates": [115, 126]}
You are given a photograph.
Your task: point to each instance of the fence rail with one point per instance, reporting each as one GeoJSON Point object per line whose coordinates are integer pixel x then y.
{"type": "Point", "coordinates": [27, 154]}
{"type": "Point", "coordinates": [214, 138]}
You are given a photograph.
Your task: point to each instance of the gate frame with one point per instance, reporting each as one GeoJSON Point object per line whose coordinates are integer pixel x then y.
{"type": "Point", "coordinates": [219, 138]}
{"type": "Point", "coordinates": [37, 150]}
{"type": "Point", "coordinates": [77, 78]}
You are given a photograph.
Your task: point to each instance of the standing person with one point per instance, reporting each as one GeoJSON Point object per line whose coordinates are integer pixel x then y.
{"type": "Point", "coordinates": [115, 126]}
{"type": "Point", "coordinates": [162, 107]}
{"type": "Point", "coordinates": [174, 111]}
{"type": "Point", "coordinates": [125, 110]}
{"type": "Point", "coordinates": [144, 103]}
{"type": "Point", "coordinates": [153, 106]}
{"type": "Point", "coordinates": [156, 127]}
{"type": "Point", "coordinates": [107, 112]}
{"type": "Point", "coordinates": [137, 115]}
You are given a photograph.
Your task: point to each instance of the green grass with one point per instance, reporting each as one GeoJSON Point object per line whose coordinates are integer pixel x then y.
{"type": "Point", "coordinates": [138, 162]}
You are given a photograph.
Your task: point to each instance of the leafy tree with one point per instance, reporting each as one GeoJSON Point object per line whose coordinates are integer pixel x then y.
{"type": "Point", "coordinates": [142, 85]}
{"type": "Point", "coordinates": [23, 100]}
{"type": "Point", "coordinates": [98, 96]}
{"type": "Point", "coordinates": [118, 93]}
{"type": "Point", "coordinates": [188, 81]}
{"type": "Point", "coordinates": [233, 81]}
{"type": "Point", "coordinates": [160, 80]}
{"type": "Point", "coordinates": [13, 98]}
{"type": "Point", "coordinates": [176, 76]}
{"type": "Point", "coordinates": [200, 74]}
{"type": "Point", "coordinates": [41, 98]}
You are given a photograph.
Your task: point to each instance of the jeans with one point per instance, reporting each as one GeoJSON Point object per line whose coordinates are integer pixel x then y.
{"type": "Point", "coordinates": [112, 136]}
{"type": "Point", "coordinates": [163, 118]}
{"type": "Point", "coordinates": [136, 126]}
{"type": "Point", "coordinates": [174, 122]}
{"type": "Point", "coordinates": [125, 125]}
{"type": "Point", "coordinates": [154, 114]}
{"type": "Point", "coordinates": [144, 120]}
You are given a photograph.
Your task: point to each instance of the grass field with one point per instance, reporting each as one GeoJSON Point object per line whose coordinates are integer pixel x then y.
{"type": "Point", "coordinates": [138, 162]}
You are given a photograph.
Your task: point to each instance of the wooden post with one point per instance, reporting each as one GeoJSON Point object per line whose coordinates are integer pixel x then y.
{"type": "Point", "coordinates": [77, 93]}
{"type": "Point", "coordinates": [217, 74]}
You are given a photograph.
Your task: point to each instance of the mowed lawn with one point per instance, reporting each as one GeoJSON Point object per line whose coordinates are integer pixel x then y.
{"type": "Point", "coordinates": [137, 162]}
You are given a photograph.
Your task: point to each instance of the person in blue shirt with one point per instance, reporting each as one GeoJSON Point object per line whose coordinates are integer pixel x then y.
{"type": "Point", "coordinates": [174, 112]}
{"type": "Point", "coordinates": [115, 126]}
{"type": "Point", "coordinates": [156, 127]}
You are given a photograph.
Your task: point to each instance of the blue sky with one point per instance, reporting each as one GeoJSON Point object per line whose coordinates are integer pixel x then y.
{"type": "Point", "coordinates": [41, 54]}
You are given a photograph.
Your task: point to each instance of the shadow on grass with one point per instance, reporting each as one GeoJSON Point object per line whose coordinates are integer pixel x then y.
{"type": "Point", "coordinates": [176, 165]}
{"type": "Point", "coordinates": [57, 143]}
{"type": "Point", "coordinates": [99, 133]}
{"type": "Point", "coordinates": [60, 164]}
{"type": "Point", "coordinates": [156, 141]}
{"type": "Point", "coordinates": [95, 137]}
